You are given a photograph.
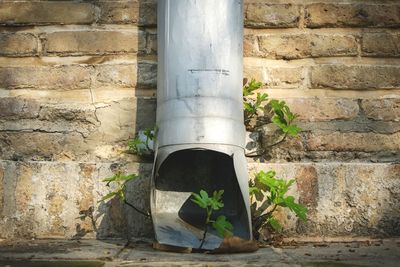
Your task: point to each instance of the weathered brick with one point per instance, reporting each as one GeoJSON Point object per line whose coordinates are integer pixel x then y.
{"type": "Point", "coordinates": [120, 120]}
{"type": "Point", "coordinates": [56, 118]}
{"type": "Point", "coordinates": [387, 109]}
{"type": "Point", "coordinates": [147, 74]}
{"type": "Point", "coordinates": [38, 13]}
{"type": "Point", "coordinates": [119, 12]}
{"type": "Point", "coordinates": [276, 77]}
{"type": "Point", "coordinates": [72, 113]}
{"type": "Point", "coordinates": [292, 46]}
{"type": "Point", "coordinates": [355, 76]}
{"type": "Point", "coordinates": [120, 75]}
{"type": "Point", "coordinates": [284, 77]}
{"type": "Point", "coordinates": [250, 45]}
{"type": "Point", "coordinates": [324, 108]}
{"type": "Point", "coordinates": [307, 185]}
{"type": "Point", "coordinates": [18, 44]}
{"type": "Point", "coordinates": [1, 189]}
{"type": "Point", "coordinates": [141, 75]}
{"type": "Point", "coordinates": [381, 44]}
{"type": "Point", "coordinates": [128, 12]}
{"type": "Point", "coordinates": [352, 15]}
{"type": "Point", "coordinates": [358, 124]}
{"type": "Point", "coordinates": [41, 146]}
{"type": "Point", "coordinates": [151, 42]}
{"type": "Point", "coordinates": [336, 140]}
{"type": "Point", "coordinates": [260, 15]}
{"type": "Point", "coordinates": [65, 194]}
{"type": "Point", "coordinates": [334, 187]}
{"type": "Point", "coordinates": [254, 72]}
{"type": "Point", "coordinates": [76, 132]}
{"type": "Point", "coordinates": [18, 108]}
{"type": "Point", "coordinates": [366, 142]}
{"type": "Point", "coordinates": [46, 77]}
{"type": "Point", "coordinates": [95, 42]}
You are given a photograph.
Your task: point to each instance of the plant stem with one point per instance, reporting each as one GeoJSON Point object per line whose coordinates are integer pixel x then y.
{"type": "Point", "coordinates": [209, 212]}
{"type": "Point", "coordinates": [255, 153]}
{"type": "Point", "coordinates": [204, 236]}
{"type": "Point", "coordinates": [280, 141]}
{"type": "Point", "coordinates": [265, 214]}
{"type": "Point", "coordinates": [138, 210]}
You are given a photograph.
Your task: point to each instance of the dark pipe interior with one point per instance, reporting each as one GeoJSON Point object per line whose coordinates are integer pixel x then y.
{"type": "Point", "coordinates": [196, 169]}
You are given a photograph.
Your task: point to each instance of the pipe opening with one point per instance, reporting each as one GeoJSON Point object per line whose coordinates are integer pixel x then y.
{"type": "Point", "coordinates": [192, 170]}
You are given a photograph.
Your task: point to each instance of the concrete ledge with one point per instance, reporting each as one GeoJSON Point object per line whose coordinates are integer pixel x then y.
{"type": "Point", "coordinates": [120, 253]}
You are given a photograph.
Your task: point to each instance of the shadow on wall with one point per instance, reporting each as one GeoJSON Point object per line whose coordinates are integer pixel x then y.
{"type": "Point", "coordinates": [114, 219]}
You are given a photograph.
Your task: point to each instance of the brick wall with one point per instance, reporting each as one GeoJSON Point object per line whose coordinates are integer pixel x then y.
{"type": "Point", "coordinates": [78, 79]}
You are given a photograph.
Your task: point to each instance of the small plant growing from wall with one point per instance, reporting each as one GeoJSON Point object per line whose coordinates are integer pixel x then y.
{"type": "Point", "coordinates": [211, 204]}
{"type": "Point", "coordinates": [269, 191]}
{"type": "Point", "coordinates": [143, 143]}
{"type": "Point", "coordinates": [257, 104]}
{"type": "Point", "coordinates": [253, 107]}
{"type": "Point", "coordinates": [119, 181]}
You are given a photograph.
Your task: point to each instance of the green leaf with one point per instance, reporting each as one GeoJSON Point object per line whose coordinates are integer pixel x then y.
{"type": "Point", "coordinates": [199, 203]}
{"type": "Point", "coordinates": [253, 190]}
{"type": "Point", "coordinates": [134, 145]}
{"type": "Point", "coordinates": [109, 179]}
{"type": "Point", "coordinates": [216, 205]}
{"type": "Point", "coordinates": [293, 130]}
{"type": "Point", "coordinates": [250, 108]}
{"type": "Point", "coordinates": [261, 98]}
{"type": "Point", "coordinates": [281, 123]}
{"type": "Point", "coordinates": [223, 227]}
{"type": "Point", "coordinates": [127, 178]}
{"type": "Point", "coordinates": [273, 193]}
{"type": "Point", "coordinates": [215, 202]}
{"type": "Point", "coordinates": [275, 224]}
{"type": "Point", "coordinates": [204, 194]}
{"type": "Point", "coordinates": [218, 194]}
{"type": "Point", "coordinates": [199, 200]}
{"type": "Point", "coordinates": [148, 132]}
{"type": "Point", "coordinates": [108, 196]}
{"type": "Point", "coordinates": [298, 209]}
{"type": "Point", "coordinates": [267, 178]}
{"type": "Point", "coordinates": [283, 117]}
{"type": "Point", "coordinates": [250, 87]}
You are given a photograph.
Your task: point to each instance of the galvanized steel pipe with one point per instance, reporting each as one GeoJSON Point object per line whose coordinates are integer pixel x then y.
{"type": "Point", "coordinates": [199, 109]}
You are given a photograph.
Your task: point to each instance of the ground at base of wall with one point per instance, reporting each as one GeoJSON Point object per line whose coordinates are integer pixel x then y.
{"type": "Point", "coordinates": [112, 253]}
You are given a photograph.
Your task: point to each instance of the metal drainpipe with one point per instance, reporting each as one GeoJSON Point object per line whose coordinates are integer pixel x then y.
{"type": "Point", "coordinates": [200, 130]}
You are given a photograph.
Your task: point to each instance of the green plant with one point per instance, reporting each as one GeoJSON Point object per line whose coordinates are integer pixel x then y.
{"type": "Point", "coordinates": [268, 190]}
{"type": "Point", "coordinates": [271, 193]}
{"type": "Point", "coordinates": [281, 114]}
{"type": "Point", "coordinates": [210, 204]}
{"type": "Point", "coordinates": [119, 180]}
{"type": "Point", "coordinates": [283, 118]}
{"type": "Point", "coordinates": [252, 106]}
{"type": "Point", "coordinates": [139, 146]}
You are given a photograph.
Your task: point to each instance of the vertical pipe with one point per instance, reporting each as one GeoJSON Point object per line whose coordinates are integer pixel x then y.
{"type": "Point", "coordinates": [201, 133]}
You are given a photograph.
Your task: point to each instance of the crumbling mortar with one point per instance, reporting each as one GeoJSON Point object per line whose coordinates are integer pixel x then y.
{"type": "Point", "coordinates": [42, 44]}
{"type": "Point", "coordinates": [302, 18]}
{"type": "Point", "coordinates": [43, 131]}
{"type": "Point", "coordinates": [359, 40]}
